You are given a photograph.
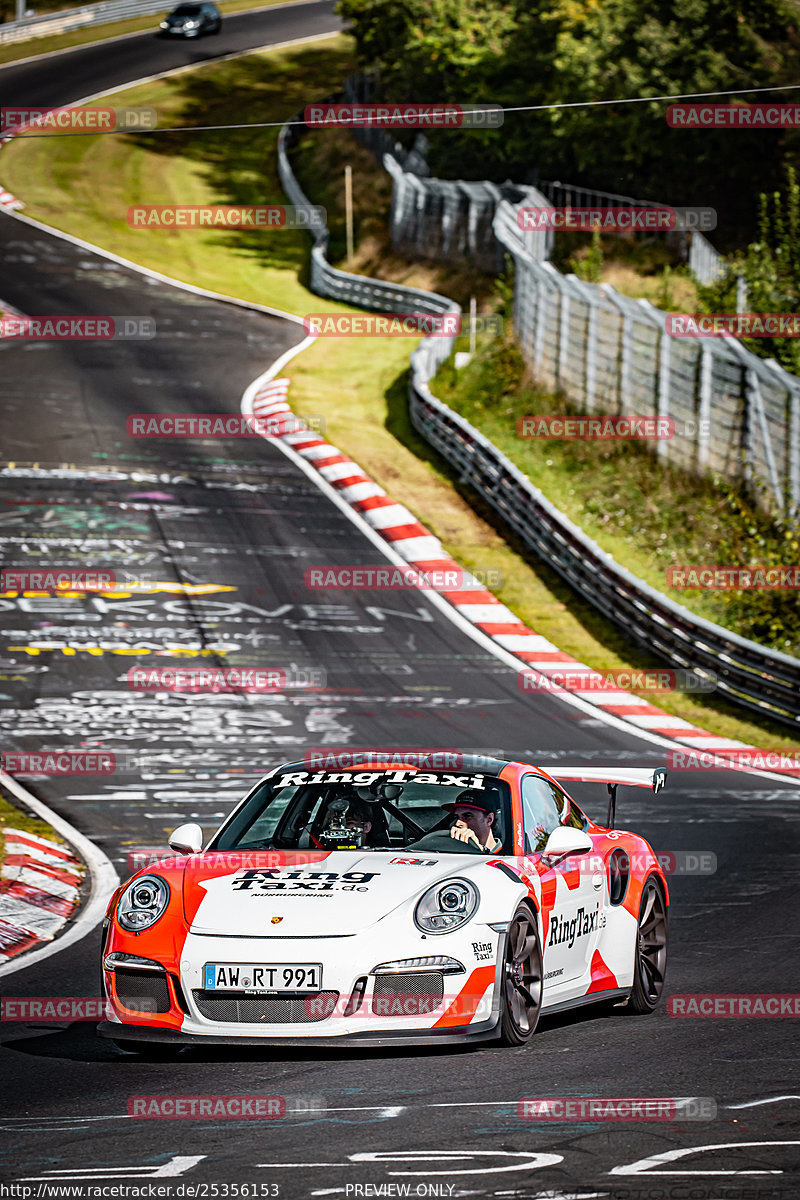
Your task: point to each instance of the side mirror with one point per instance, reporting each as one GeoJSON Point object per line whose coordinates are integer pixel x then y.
{"type": "Point", "coordinates": [564, 841]}
{"type": "Point", "coordinates": [187, 839]}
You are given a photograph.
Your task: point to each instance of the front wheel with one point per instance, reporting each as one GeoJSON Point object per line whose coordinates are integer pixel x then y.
{"type": "Point", "coordinates": [651, 950]}
{"type": "Point", "coordinates": [521, 979]}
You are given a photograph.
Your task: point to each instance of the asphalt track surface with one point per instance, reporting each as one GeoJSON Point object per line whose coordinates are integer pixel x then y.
{"type": "Point", "coordinates": [241, 516]}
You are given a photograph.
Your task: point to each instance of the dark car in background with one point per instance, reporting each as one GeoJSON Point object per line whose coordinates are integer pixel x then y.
{"type": "Point", "coordinates": [191, 20]}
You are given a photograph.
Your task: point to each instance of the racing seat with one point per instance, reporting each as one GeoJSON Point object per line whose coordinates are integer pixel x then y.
{"type": "Point", "coordinates": [379, 834]}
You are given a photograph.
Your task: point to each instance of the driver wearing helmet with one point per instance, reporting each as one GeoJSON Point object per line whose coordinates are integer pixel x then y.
{"type": "Point", "coordinates": [473, 817]}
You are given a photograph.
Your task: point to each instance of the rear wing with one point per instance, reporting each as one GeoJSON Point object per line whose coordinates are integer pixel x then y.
{"type": "Point", "coordinates": [646, 777]}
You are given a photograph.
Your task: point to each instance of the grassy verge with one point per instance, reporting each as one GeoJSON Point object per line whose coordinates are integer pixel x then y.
{"type": "Point", "coordinates": [649, 515]}
{"type": "Point", "coordinates": [17, 818]}
{"type": "Point", "coordinates": [100, 33]}
{"type": "Point", "coordinates": [319, 161]}
{"type": "Point", "coordinates": [84, 185]}
{"type": "Point", "coordinates": [642, 269]}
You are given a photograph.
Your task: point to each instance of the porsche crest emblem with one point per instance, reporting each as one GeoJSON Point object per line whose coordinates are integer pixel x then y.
{"type": "Point", "coordinates": [276, 920]}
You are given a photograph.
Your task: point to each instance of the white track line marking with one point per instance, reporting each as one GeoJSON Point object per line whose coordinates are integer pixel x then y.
{"type": "Point", "coordinates": [357, 491]}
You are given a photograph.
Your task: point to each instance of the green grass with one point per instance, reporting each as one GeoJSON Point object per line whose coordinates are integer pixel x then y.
{"type": "Point", "coordinates": [84, 186]}
{"type": "Point", "coordinates": [318, 162]}
{"type": "Point", "coordinates": [17, 818]}
{"type": "Point", "coordinates": [98, 33]}
{"type": "Point", "coordinates": [645, 269]}
{"type": "Point", "coordinates": [648, 515]}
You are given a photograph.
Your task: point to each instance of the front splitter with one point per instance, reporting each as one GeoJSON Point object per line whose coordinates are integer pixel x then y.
{"type": "Point", "coordinates": [406, 1037]}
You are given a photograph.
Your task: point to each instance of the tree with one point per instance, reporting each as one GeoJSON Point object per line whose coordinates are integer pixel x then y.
{"type": "Point", "coordinates": [528, 52]}
{"type": "Point", "coordinates": [770, 267]}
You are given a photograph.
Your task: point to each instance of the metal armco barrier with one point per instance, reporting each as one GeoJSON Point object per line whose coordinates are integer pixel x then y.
{"type": "Point", "coordinates": [358, 290]}
{"type": "Point", "coordinates": [761, 679]}
{"type": "Point", "coordinates": [750, 675]}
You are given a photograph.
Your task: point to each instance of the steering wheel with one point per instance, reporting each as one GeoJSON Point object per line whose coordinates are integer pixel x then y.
{"type": "Point", "coordinates": [438, 841]}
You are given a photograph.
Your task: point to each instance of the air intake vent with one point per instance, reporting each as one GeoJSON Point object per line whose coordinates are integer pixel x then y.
{"type": "Point", "coordinates": [141, 991]}
{"type": "Point", "coordinates": [238, 1007]}
{"type": "Point", "coordinates": [619, 873]}
{"type": "Point", "coordinates": [407, 995]}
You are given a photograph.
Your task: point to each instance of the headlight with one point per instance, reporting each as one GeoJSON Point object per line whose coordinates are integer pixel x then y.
{"type": "Point", "coordinates": [163, 25]}
{"type": "Point", "coordinates": [142, 902]}
{"type": "Point", "coordinates": [446, 906]}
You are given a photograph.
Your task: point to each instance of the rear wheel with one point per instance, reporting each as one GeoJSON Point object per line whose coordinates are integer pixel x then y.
{"type": "Point", "coordinates": [651, 950]}
{"type": "Point", "coordinates": [521, 979]}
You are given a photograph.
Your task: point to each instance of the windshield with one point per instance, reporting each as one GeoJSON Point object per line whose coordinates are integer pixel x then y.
{"type": "Point", "coordinates": [186, 10]}
{"type": "Point", "coordinates": [371, 810]}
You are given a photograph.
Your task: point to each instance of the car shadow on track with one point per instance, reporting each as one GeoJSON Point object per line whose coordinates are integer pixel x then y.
{"type": "Point", "coordinates": [80, 1043]}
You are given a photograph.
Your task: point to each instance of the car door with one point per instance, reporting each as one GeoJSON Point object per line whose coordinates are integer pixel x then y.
{"type": "Point", "coordinates": [572, 890]}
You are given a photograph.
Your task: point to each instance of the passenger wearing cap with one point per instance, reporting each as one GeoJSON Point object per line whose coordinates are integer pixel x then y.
{"type": "Point", "coordinates": [473, 820]}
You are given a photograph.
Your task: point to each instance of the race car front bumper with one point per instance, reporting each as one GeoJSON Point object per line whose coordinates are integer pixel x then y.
{"type": "Point", "coordinates": [367, 999]}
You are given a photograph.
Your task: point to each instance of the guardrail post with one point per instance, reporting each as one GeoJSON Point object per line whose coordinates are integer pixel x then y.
{"type": "Point", "coordinates": [766, 441]}
{"type": "Point", "coordinates": [625, 345]}
{"type": "Point", "coordinates": [663, 387]}
{"type": "Point", "coordinates": [591, 356]}
{"type": "Point", "coordinates": [754, 409]}
{"type": "Point", "coordinates": [587, 292]}
{"type": "Point", "coordinates": [662, 395]}
{"type": "Point", "coordinates": [704, 410]}
{"type": "Point", "coordinates": [794, 450]}
{"type": "Point", "coordinates": [538, 336]}
{"type": "Point", "coordinates": [563, 332]}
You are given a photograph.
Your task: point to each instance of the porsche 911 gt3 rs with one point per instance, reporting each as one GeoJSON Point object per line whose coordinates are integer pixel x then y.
{"type": "Point", "coordinates": [386, 903]}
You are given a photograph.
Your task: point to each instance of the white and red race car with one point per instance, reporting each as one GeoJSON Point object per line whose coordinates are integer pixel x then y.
{"type": "Point", "coordinates": [388, 904]}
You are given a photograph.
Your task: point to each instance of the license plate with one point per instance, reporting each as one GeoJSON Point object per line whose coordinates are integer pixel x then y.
{"type": "Point", "coordinates": [263, 977]}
